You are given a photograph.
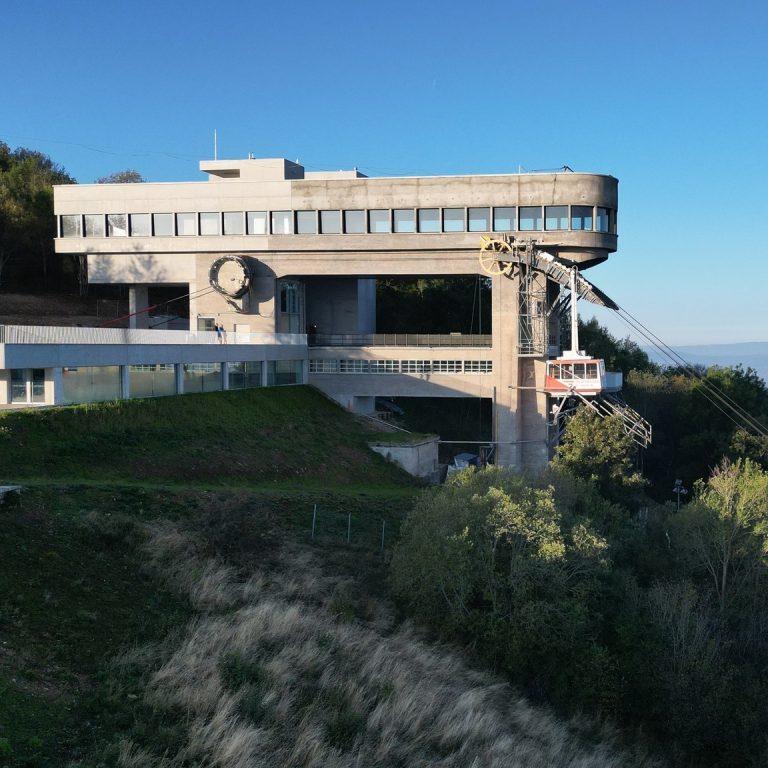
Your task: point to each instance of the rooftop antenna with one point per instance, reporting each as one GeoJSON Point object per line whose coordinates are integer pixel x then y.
{"type": "Point", "coordinates": [215, 145]}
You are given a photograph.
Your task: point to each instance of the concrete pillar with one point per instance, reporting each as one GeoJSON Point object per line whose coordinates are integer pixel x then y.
{"type": "Point", "coordinates": [264, 373]}
{"type": "Point", "coordinates": [364, 405]}
{"type": "Point", "coordinates": [506, 411]}
{"type": "Point", "coordinates": [125, 382]}
{"type": "Point", "coordinates": [54, 386]}
{"type": "Point", "coordinates": [224, 376]}
{"type": "Point", "coordinates": [5, 386]}
{"type": "Point", "coordinates": [178, 369]}
{"type": "Point", "coordinates": [138, 299]}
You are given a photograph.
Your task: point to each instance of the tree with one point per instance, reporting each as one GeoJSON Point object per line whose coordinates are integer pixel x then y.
{"type": "Point", "coordinates": [122, 177]}
{"type": "Point", "coordinates": [599, 450]}
{"type": "Point", "coordinates": [27, 226]}
{"type": "Point", "coordinates": [619, 354]}
{"type": "Point", "coordinates": [724, 530]}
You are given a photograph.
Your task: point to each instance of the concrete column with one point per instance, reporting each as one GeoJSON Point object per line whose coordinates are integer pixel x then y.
{"type": "Point", "coordinates": [125, 382]}
{"type": "Point", "coordinates": [264, 378]}
{"type": "Point", "coordinates": [224, 376]}
{"type": "Point", "coordinates": [138, 299]}
{"type": "Point", "coordinates": [364, 405]}
{"type": "Point", "coordinates": [179, 371]}
{"type": "Point", "coordinates": [54, 386]}
{"type": "Point", "coordinates": [5, 386]}
{"type": "Point", "coordinates": [506, 404]}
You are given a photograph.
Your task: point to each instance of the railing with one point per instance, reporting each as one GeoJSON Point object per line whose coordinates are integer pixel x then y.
{"type": "Point", "coordinates": [399, 340]}
{"type": "Point", "coordinates": [48, 334]}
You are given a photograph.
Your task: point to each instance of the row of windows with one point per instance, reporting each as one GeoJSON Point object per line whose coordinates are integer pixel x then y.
{"type": "Point", "coordinates": [524, 218]}
{"type": "Point", "coordinates": [400, 366]}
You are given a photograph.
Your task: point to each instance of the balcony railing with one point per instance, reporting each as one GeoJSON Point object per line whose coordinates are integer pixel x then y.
{"type": "Point", "coordinates": [48, 334]}
{"type": "Point", "coordinates": [399, 340]}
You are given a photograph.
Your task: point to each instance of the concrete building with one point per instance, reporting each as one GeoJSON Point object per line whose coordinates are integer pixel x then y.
{"type": "Point", "coordinates": [316, 242]}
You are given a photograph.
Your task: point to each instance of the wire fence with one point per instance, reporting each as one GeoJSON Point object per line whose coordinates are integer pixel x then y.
{"type": "Point", "coordinates": [354, 529]}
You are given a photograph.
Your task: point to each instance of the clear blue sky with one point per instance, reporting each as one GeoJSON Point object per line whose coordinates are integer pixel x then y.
{"type": "Point", "coordinates": [670, 97]}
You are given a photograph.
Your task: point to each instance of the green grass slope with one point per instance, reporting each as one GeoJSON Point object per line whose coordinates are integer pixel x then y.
{"type": "Point", "coordinates": [287, 436]}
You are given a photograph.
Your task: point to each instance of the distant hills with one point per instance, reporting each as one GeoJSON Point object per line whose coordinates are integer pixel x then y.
{"type": "Point", "coordinates": [751, 354]}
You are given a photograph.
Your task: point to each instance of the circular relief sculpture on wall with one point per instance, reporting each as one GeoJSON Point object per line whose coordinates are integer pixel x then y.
{"type": "Point", "coordinates": [230, 276]}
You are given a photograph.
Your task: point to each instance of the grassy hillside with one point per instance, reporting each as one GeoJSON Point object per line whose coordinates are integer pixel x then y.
{"type": "Point", "coordinates": [163, 602]}
{"type": "Point", "coordinates": [288, 436]}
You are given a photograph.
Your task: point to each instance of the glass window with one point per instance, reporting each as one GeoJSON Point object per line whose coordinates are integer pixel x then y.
{"type": "Point", "coordinates": [84, 385]}
{"type": "Point", "coordinates": [152, 380]}
{"type": "Point", "coordinates": [429, 219]}
{"type": "Point", "coordinates": [281, 223]}
{"type": "Point", "coordinates": [202, 377]}
{"type": "Point", "coordinates": [379, 220]}
{"type": "Point", "coordinates": [479, 219]}
{"type": "Point", "coordinates": [94, 225]}
{"type": "Point", "coordinates": [453, 219]}
{"type": "Point", "coordinates": [186, 223]}
{"type": "Point", "coordinates": [210, 223]}
{"type": "Point", "coordinates": [330, 222]}
{"type": "Point", "coordinates": [530, 218]}
{"type": "Point", "coordinates": [206, 324]}
{"type": "Point", "coordinates": [284, 372]}
{"type": "Point", "coordinates": [504, 219]}
{"type": "Point", "coordinates": [405, 220]}
{"type": "Point", "coordinates": [234, 223]}
{"type": "Point", "coordinates": [354, 222]}
{"type": "Point", "coordinates": [38, 385]}
{"type": "Point", "coordinates": [70, 225]}
{"type": "Point", "coordinates": [140, 225]}
{"type": "Point", "coordinates": [18, 385]}
{"type": "Point", "coordinates": [591, 371]}
{"type": "Point", "coordinates": [581, 217]}
{"type": "Point", "coordinates": [556, 217]}
{"type": "Point", "coordinates": [306, 222]}
{"type": "Point", "coordinates": [244, 375]}
{"type": "Point", "coordinates": [117, 225]}
{"type": "Point", "coordinates": [603, 220]}
{"type": "Point", "coordinates": [162, 224]}
{"type": "Point", "coordinates": [257, 222]}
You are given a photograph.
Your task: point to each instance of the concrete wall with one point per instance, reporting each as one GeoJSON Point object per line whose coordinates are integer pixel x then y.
{"type": "Point", "coordinates": [418, 459]}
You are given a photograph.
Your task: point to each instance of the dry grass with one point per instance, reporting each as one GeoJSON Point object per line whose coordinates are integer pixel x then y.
{"type": "Point", "coordinates": [278, 670]}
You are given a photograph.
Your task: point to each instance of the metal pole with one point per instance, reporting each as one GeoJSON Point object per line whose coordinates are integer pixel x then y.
{"type": "Point", "coordinates": [349, 526]}
{"type": "Point", "coordinates": [383, 523]}
{"type": "Point", "coordinates": [574, 312]}
{"type": "Point", "coordinates": [314, 518]}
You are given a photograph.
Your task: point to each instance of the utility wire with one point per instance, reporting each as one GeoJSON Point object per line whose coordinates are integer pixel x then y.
{"type": "Point", "coordinates": [192, 294]}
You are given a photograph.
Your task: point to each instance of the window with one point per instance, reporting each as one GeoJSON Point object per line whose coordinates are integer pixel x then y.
{"type": "Point", "coordinates": [603, 220]}
{"type": "Point", "coordinates": [162, 224]}
{"type": "Point", "coordinates": [117, 225]}
{"type": "Point", "coordinates": [354, 222]}
{"type": "Point", "coordinates": [581, 217]}
{"type": "Point", "coordinates": [556, 217]}
{"type": "Point", "coordinates": [453, 219]}
{"type": "Point", "coordinates": [206, 324]}
{"type": "Point", "coordinates": [38, 385]}
{"type": "Point", "coordinates": [291, 296]}
{"type": "Point", "coordinates": [281, 223]}
{"type": "Point", "coordinates": [330, 222]}
{"type": "Point", "coordinates": [18, 385]}
{"type": "Point", "coordinates": [244, 375]}
{"type": "Point", "coordinates": [415, 366]}
{"type": "Point", "coordinates": [94, 225]}
{"type": "Point", "coordinates": [90, 384]}
{"type": "Point", "coordinates": [353, 366]}
{"type": "Point", "coordinates": [234, 223]}
{"type": "Point", "coordinates": [70, 226]}
{"type": "Point", "coordinates": [429, 219]}
{"type": "Point", "coordinates": [479, 219]}
{"type": "Point", "coordinates": [379, 220]}
{"type": "Point", "coordinates": [152, 380]}
{"type": "Point", "coordinates": [530, 218]}
{"type": "Point", "coordinates": [284, 372]}
{"type": "Point", "coordinates": [579, 370]}
{"type": "Point", "coordinates": [306, 222]}
{"type": "Point", "coordinates": [257, 222]}
{"type": "Point", "coordinates": [504, 219]}
{"type": "Point", "coordinates": [210, 223]}
{"type": "Point", "coordinates": [323, 366]}
{"type": "Point", "coordinates": [384, 366]}
{"type": "Point", "coordinates": [405, 220]}
{"type": "Point", "coordinates": [186, 224]}
{"type": "Point", "coordinates": [446, 366]}
{"type": "Point", "coordinates": [591, 370]}
{"type": "Point", "coordinates": [140, 225]}
{"type": "Point", "coordinates": [202, 377]}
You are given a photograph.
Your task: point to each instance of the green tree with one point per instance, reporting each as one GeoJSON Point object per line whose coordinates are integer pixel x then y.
{"type": "Point", "coordinates": [724, 530]}
{"type": "Point", "coordinates": [27, 226]}
{"type": "Point", "coordinates": [619, 354]}
{"type": "Point", "coordinates": [599, 450]}
{"type": "Point", "coordinates": [128, 176]}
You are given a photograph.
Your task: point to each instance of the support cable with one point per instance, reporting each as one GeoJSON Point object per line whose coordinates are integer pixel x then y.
{"type": "Point", "coordinates": [192, 295]}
